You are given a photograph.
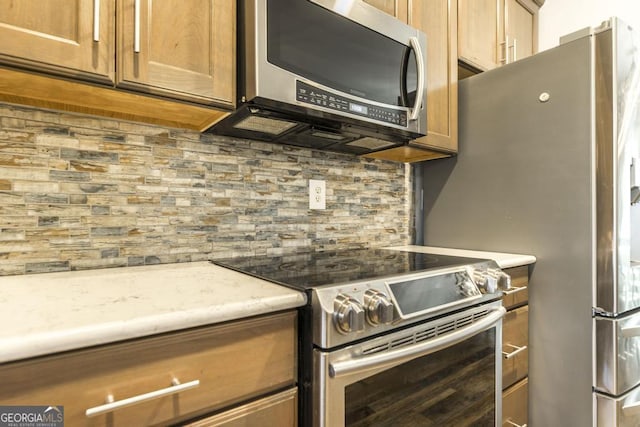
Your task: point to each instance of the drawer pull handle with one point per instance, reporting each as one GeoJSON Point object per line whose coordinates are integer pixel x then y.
{"type": "Point", "coordinates": [513, 290]}
{"type": "Point", "coordinates": [514, 352]}
{"type": "Point", "coordinates": [136, 26]}
{"type": "Point", "coordinates": [514, 424]}
{"type": "Point", "coordinates": [111, 406]}
{"type": "Point", "coordinates": [96, 20]}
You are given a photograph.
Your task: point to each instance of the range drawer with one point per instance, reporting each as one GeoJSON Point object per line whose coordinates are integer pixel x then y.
{"type": "Point", "coordinates": [515, 341]}
{"type": "Point", "coordinates": [233, 362]}
{"type": "Point", "coordinates": [515, 409]}
{"type": "Point", "coordinates": [519, 292]}
{"type": "Point", "coordinates": [617, 354]}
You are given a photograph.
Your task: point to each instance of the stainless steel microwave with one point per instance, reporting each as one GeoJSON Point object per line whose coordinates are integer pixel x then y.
{"type": "Point", "coordinates": [337, 75]}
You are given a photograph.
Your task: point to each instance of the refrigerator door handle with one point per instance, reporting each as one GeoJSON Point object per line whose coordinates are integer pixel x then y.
{"type": "Point", "coordinates": [631, 331]}
{"type": "Point", "coordinates": [631, 408]}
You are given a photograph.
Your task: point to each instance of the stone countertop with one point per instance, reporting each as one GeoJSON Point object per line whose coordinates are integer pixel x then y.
{"type": "Point", "coordinates": [48, 313]}
{"type": "Point", "coordinates": [504, 260]}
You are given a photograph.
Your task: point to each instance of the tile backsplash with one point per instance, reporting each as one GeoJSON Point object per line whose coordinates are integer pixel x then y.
{"type": "Point", "coordinates": [80, 192]}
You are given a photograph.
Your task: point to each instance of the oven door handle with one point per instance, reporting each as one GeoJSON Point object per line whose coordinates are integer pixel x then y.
{"type": "Point", "coordinates": [405, 354]}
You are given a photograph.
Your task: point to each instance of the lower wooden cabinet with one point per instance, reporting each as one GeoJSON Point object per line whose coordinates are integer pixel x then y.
{"type": "Point", "coordinates": [515, 343]}
{"type": "Point", "coordinates": [514, 404]}
{"type": "Point", "coordinates": [222, 366]}
{"type": "Point", "coordinates": [279, 409]}
{"type": "Point", "coordinates": [515, 340]}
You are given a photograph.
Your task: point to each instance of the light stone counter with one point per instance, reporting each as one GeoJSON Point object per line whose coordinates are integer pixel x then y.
{"type": "Point", "coordinates": [504, 260]}
{"type": "Point", "coordinates": [48, 313]}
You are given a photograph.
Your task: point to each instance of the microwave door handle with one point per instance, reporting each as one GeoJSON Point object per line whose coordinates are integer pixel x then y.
{"type": "Point", "coordinates": [421, 70]}
{"type": "Point", "coordinates": [405, 354]}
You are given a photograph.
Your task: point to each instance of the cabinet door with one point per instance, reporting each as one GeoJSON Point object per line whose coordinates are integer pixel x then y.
{"type": "Point", "coordinates": [515, 340]}
{"type": "Point", "coordinates": [478, 33]}
{"type": "Point", "coordinates": [515, 409]}
{"type": "Point", "coordinates": [179, 49]}
{"type": "Point", "coordinates": [74, 38]}
{"type": "Point", "coordinates": [277, 410]}
{"type": "Point", "coordinates": [397, 8]}
{"type": "Point", "coordinates": [519, 29]}
{"type": "Point", "coordinates": [438, 20]}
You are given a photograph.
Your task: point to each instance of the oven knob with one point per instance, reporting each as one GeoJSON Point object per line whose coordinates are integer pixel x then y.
{"type": "Point", "coordinates": [348, 314]}
{"type": "Point", "coordinates": [379, 308]}
{"type": "Point", "coordinates": [485, 281]}
{"type": "Point", "coordinates": [503, 280]}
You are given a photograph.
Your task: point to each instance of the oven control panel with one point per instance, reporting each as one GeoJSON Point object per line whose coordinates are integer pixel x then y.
{"type": "Point", "coordinates": [363, 309]}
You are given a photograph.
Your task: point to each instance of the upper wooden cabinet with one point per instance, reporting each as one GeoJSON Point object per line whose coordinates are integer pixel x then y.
{"type": "Point", "coordinates": [65, 37]}
{"type": "Point", "coordinates": [397, 8]}
{"type": "Point", "coordinates": [438, 20]}
{"type": "Point", "coordinates": [493, 33]}
{"type": "Point", "coordinates": [178, 49]}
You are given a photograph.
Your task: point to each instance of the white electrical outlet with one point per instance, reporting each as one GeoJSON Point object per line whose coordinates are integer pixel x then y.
{"type": "Point", "coordinates": [317, 194]}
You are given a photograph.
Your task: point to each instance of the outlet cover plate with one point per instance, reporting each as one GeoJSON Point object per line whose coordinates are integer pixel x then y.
{"type": "Point", "coordinates": [317, 194]}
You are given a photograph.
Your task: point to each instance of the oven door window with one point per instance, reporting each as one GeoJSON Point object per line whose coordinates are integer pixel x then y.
{"type": "Point", "coordinates": [452, 387]}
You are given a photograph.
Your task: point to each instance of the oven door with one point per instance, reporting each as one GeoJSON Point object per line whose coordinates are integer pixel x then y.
{"type": "Point", "coordinates": [442, 372]}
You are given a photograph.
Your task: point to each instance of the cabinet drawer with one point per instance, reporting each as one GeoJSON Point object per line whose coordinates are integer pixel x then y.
{"type": "Point", "coordinates": [278, 410]}
{"type": "Point", "coordinates": [515, 409]}
{"type": "Point", "coordinates": [519, 292]}
{"type": "Point", "coordinates": [515, 339]}
{"type": "Point", "coordinates": [233, 362]}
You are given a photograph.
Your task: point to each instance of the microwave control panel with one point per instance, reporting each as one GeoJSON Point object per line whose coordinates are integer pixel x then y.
{"type": "Point", "coordinates": [309, 94]}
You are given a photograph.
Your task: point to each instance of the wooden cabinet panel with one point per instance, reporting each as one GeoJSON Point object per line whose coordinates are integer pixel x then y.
{"type": "Point", "coordinates": [192, 61]}
{"type": "Point", "coordinates": [519, 292]}
{"type": "Point", "coordinates": [478, 33]}
{"type": "Point", "coordinates": [438, 20]}
{"type": "Point", "coordinates": [397, 8]}
{"type": "Point", "coordinates": [278, 410]}
{"type": "Point", "coordinates": [515, 408]}
{"type": "Point", "coordinates": [496, 32]}
{"type": "Point", "coordinates": [519, 27]}
{"type": "Point", "coordinates": [515, 336]}
{"type": "Point", "coordinates": [234, 362]}
{"type": "Point", "coordinates": [57, 36]}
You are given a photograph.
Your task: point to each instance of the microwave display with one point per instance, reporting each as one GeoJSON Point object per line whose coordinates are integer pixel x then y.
{"type": "Point", "coordinates": [325, 47]}
{"type": "Point", "coordinates": [310, 94]}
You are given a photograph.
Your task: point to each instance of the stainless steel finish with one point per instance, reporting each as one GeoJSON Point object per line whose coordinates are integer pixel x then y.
{"type": "Point", "coordinates": [379, 308]}
{"type": "Point", "coordinates": [136, 26]}
{"type": "Point", "coordinates": [348, 314]}
{"type": "Point", "coordinates": [618, 411]}
{"type": "Point", "coordinates": [96, 20]}
{"type": "Point", "coordinates": [518, 349]}
{"type": "Point", "coordinates": [329, 389]}
{"type": "Point", "coordinates": [618, 90]}
{"type": "Point", "coordinates": [112, 405]}
{"type": "Point", "coordinates": [559, 172]}
{"type": "Point", "coordinates": [617, 354]}
{"type": "Point", "coordinates": [422, 69]}
{"type": "Point", "coordinates": [267, 81]}
{"type": "Point", "coordinates": [325, 333]}
{"type": "Point", "coordinates": [356, 363]}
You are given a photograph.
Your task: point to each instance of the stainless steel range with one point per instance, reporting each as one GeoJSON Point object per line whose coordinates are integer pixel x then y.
{"type": "Point", "coordinates": [394, 337]}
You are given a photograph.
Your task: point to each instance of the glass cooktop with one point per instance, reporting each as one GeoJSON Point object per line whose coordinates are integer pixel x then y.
{"type": "Point", "coordinates": [317, 269]}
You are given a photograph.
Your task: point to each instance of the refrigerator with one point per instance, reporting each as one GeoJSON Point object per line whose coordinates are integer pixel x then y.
{"type": "Point", "coordinates": [549, 165]}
